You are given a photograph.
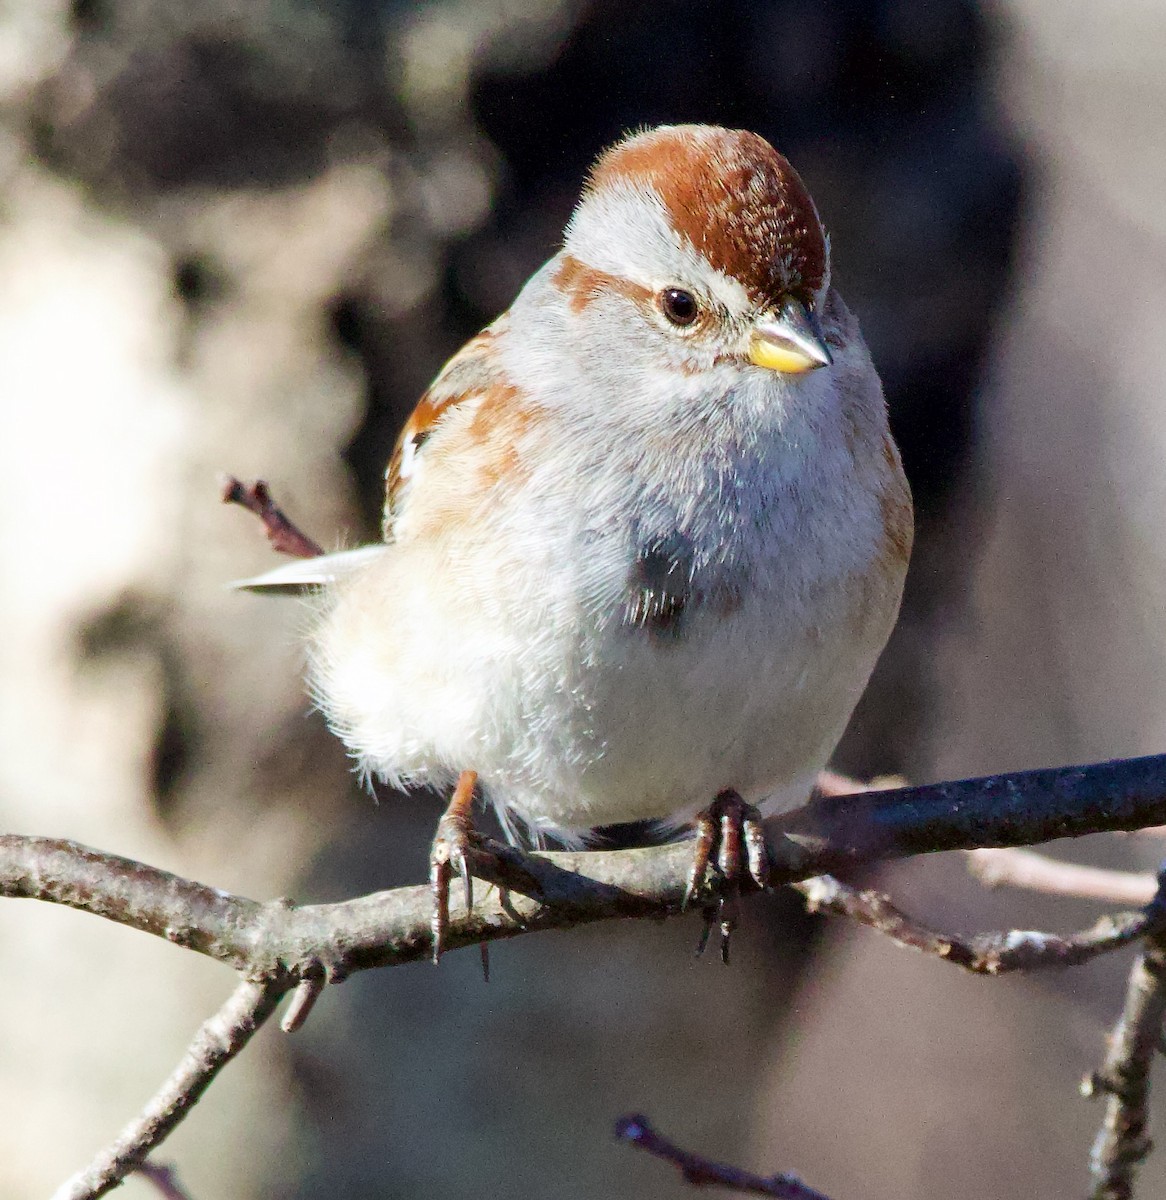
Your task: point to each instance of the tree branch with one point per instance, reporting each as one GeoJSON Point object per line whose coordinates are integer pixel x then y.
{"type": "Point", "coordinates": [703, 1172]}
{"type": "Point", "coordinates": [1124, 1079]}
{"type": "Point", "coordinates": [279, 946]}
{"type": "Point", "coordinates": [1012, 867]}
{"type": "Point", "coordinates": [165, 1179]}
{"type": "Point", "coordinates": [983, 953]}
{"type": "Point", "coordinates": [284, 536]}
{"type": "Point", "coordinates": [216, 1043]}
{"type": "Point", "coordinates": [279, 940]}
{"type": "Point", "coordinates": [1017, 809]}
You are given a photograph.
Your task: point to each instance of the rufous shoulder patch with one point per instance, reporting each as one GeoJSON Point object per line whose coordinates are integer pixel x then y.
{"type": "Point", "coordinates": [470, 374]}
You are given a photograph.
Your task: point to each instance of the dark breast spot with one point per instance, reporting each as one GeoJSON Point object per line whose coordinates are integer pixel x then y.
{"type": "Point", "coordinates": [660, 586]}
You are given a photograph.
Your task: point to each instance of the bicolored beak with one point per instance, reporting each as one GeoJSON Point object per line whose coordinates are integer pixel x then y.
{"type": "Point", "coordinates": [789, 341]}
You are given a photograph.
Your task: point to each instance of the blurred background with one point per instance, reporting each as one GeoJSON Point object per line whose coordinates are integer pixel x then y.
{"type": "Point", "coordinates": [242, 236]}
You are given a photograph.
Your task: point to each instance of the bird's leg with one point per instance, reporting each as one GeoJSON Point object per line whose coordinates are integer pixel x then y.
{"type": "Point", "coordinates": [451, 847]}
{"type": "Point", "coordinates": [731, 830]}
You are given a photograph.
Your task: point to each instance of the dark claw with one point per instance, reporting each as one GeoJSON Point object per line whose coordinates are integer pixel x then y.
{"type": "Point", "coordinates": [467, 880]}
{"type": "Point", "coordinates": [728, 915]}
{"type": "Point", "coordinates": [709, 913]}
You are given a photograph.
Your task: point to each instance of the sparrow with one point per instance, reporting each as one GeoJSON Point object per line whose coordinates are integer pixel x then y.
{"type": "Point", "coordinates": [645, 535]}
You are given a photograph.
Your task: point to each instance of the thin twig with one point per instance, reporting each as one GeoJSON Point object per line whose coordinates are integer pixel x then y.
{"type": "Point", "coordinates": [983, 953]}
{"type": "Point", "coordinates": [703, 1172]}
{"type": "Point", "coordinates": [303, 1000]}
{"type": "Point", "coordinates": [834, 783]}
{"type": "Point", "coordinates": [216, 1043]}
{"type": "Point", "coordinates": [165, 1179]}
{"type": "Point", "coordinates": [1122, 1142]}
{"type": "Point", "coordinates": [1034, 872]}
{"type": "Point", "coordinates": [284, 536]}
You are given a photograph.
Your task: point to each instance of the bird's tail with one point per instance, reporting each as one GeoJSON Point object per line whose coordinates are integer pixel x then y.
{"type": "Point", "coordinates": [311, 574]}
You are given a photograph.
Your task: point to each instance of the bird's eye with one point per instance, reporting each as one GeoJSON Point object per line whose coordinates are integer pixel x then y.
{"type": "Point", "coordinates": [680, 307]}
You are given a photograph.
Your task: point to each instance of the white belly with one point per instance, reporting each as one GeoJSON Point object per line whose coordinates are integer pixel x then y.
{"type": "Point", "coordinates": [573, 718]}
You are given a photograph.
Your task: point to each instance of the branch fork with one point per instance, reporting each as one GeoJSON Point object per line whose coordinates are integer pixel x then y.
{"type": "Point", "coordinates": [279, 947]}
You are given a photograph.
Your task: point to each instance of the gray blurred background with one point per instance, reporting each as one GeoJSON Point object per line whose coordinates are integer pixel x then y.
{"type": "Point", "coordinates": [242, 236]}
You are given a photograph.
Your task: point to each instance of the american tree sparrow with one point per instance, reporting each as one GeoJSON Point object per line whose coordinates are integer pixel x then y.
{"type": "Point", "coordinates": [645, 535]}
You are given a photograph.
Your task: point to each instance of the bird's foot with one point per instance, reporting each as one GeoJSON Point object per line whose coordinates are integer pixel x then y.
{"type": "Point", "coordinates": [452, 845]}
{"type": "Point", "coordinates": [730, 841]}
